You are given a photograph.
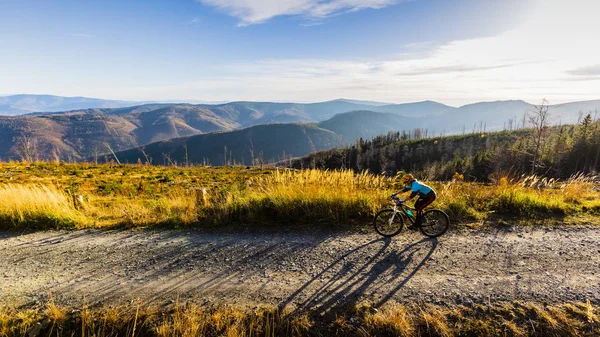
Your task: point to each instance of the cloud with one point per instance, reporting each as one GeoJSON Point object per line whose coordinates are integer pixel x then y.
{"type": "Point", "coordinates": [588, 71]}
{"type": "Point", "coordinates": [458, 68]}
{"type": "Point", "coordinates": [194, 21]}
{"type": "Point", "coordinates": [254, 12]}
{"type": "Point", "coordinates": [552, 54]}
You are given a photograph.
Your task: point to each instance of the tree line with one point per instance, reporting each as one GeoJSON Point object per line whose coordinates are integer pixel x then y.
{"type": "Point", "coordinates": [557, 151]}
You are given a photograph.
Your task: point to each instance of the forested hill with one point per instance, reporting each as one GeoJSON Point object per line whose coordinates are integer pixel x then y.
{"type": "Point", "coordinates": [251, 146]}
{"type": "Point", "coordinates": [561, 151]}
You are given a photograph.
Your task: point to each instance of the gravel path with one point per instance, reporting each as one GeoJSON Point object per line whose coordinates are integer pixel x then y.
{"type": "Point", "coordinates": [321, 271]}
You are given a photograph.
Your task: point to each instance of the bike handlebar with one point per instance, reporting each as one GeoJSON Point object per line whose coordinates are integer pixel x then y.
{"type": "Point", "coordinates": [395, 198]}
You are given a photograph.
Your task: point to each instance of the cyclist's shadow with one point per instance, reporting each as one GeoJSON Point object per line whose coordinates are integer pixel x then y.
{"type": "Point", "coordinates": [381, 273]}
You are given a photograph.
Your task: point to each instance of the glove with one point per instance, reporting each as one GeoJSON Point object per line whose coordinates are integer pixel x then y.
{"type": "Point", "coordinates": [394, 195]}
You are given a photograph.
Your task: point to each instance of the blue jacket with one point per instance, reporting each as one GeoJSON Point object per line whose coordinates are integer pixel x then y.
{"type": "Point", "coordinates": [417, 188]}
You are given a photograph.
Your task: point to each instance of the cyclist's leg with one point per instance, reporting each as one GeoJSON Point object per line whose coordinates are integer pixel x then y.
{"type": "Point", "coordinates": [421, 204]}
{"type": "Point", "coordinates": [418, 207]}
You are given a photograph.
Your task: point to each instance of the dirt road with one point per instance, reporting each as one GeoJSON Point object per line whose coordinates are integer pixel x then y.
{"type": "Point", "coordinates": [323, 271]}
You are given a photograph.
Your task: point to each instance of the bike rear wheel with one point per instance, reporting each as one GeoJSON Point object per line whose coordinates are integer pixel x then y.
{"type": "Point", "coordinates": [435, 223]}
{"type": "Point", "coordinates": [388, 223]}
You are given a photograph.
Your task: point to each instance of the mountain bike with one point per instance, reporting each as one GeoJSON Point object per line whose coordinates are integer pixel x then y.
{"type": "Point", "coordinates": [390, 221]}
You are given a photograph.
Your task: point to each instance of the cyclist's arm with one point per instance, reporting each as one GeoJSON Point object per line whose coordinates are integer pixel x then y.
{"type": "Point", "coordinates": [412, 195]}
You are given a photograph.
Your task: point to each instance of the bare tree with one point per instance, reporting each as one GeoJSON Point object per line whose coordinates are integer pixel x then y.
{"type": "Point", "coordinates": [148, 161]}
{"type": "Point", "coordinates": [260, 159]}
{"type": "Point", "coordinates": [96, 154]}
{"type": "Point", "coordinates": [113, 153]}
{"type": "Point", "coordinates": [187, 158]}
{"type": "Point", "coordinates": [539, 117]}
{"type": "Point", "coordinates": [26, 146]}
{"type": "Point", "coordinates": [167, 159]}
{"type": "Point", "coordinates": [251, 149]}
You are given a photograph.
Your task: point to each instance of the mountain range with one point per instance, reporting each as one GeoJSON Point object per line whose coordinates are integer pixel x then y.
{"type": "Point", "coordinates": [208, 128]}
{"type": "Point", "coordinates": [15, 105]}
{"type": "Point", "coordinates": [24, 104]}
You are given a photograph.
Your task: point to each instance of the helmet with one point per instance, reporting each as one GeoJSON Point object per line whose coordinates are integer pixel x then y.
{"type": "Point", "coordinates": [407, 179]}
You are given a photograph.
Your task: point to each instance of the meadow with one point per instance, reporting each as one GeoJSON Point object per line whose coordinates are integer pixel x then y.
{"type": "Point", "coordinates": [40, 196]}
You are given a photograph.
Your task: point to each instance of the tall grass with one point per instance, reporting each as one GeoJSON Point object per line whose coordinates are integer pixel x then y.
{"type": "Point", "coordinates": [39, 196]}
{"type": "Point", "coordinates": [36, 207]}
{"type": "Point", "coordinates": [333, 197]}
{"type": "Point", "coordinates": [494, 319]}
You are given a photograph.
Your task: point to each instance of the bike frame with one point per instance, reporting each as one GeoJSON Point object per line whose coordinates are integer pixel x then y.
{"type": "Point", "coordinates": [403, 207]}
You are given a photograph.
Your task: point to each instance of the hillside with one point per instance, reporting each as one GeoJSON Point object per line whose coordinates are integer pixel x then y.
{"type": "Point", "coordinates": [274, 141]}
{"type": "Point", "coordinates": [366, 124]}
{"type": "Point", "coordinates": [254, 145]}
{"type": "Point", "coordinates": [80, 134]}
{"type": "Point", "coordinates": [491, 115]}
{"type": "Point", "coordinates": [418, 109]}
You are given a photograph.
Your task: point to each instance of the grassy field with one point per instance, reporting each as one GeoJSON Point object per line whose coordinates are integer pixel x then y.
{"type": "Point", "coordinates": [499, 319]}
{"type": "Point", "coordinates": [58, 195]}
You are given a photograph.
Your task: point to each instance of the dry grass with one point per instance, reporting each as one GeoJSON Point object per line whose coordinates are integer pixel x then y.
{"type": "Point", "coordinates": [37, 206]}
{"type": "Point", "coordinates": [500, 319]}
{"type": "Point", "coordinates": [44, 195]}
{"type": "Point", "coordinates": [311, 196]}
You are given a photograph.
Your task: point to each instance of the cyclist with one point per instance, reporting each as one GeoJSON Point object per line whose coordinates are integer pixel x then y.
{"type": "Point", "coordinates": [426, 196]}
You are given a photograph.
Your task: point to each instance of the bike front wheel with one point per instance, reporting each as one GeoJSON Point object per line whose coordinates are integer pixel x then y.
{"type": "Point", "coordinates": [388, 223]}
{"type": "Point", "coordinates": [435, 223]}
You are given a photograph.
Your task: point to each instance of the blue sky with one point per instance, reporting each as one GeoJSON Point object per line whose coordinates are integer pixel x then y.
{"type": "Point", "coordinates": [453, 51]}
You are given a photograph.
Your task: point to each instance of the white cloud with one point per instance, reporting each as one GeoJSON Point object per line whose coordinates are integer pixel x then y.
{"type": "Point", "coordinates": [543, 57]}
{"type": "Point", "coordinates": [553, 55]}
{"type": "Point", "coordinates": [532, 61]}
{"type": "Point", "coordinates": [194, 21]}
{"type": "Point", "coordinates": [253, 11]}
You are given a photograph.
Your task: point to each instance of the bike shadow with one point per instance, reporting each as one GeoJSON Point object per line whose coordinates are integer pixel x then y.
{"type": "Point", "coordinates": [380, 277]}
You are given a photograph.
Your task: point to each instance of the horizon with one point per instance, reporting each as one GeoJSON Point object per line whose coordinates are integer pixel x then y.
{"type": "Point", "coordinates": [302, 51]}
{"type": "Point", "coordinates": [183, 101]}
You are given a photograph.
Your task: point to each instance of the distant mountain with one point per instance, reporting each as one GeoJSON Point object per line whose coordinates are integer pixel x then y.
{"type": "Point", "coordinates": [568, 113]}
{"type": "Point", "coordinates": [261, 143]}
{"type": "Point", "coordinates": [418, 109]}
{"type": "Point", "coordinates": [354, 101]}
{"type": "Point", "coordinates": [81, 133]}
{"type": "Point", "coordinates": [366, 124]}
{"type": "Point", "coordinates": [492, 115]}
{"type": "Point", "coordinates": [248, 113]}
{"type": "Point", "coordinates": [24, 104]}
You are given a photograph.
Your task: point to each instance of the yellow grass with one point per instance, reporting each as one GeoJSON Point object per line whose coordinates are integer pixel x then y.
{"type": "Point", "coordinates": [337, 197]}
{"type": "Point", "coordinates": [42, 196]}
{"type": "Point", "coordinates": [37, 206]}
{"type": "Point", "coordinates": [499, 319]}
